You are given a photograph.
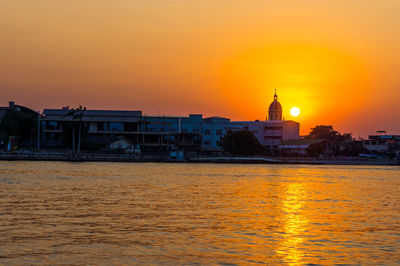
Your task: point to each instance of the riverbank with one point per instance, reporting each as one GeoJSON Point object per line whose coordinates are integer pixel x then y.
{"type": "Point", "coordinates": [105, 157]}
{"type": "Point", "coordinates": [295, 160]}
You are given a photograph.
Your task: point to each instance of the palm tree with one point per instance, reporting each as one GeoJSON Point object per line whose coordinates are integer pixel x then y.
{"type": "Point", "coordinates": [80, 112]}
{"type": "Point", "coordinates": [76, 114]}
{"type": "Point", "coordinates": [72, 113]}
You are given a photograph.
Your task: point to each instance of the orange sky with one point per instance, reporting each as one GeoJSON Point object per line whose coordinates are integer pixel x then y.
{"type": "Point", "coordinates": [338, 61]}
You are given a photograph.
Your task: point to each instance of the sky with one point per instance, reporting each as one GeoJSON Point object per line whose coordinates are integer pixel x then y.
{"type": "Point", "coordinates": [338, 61]}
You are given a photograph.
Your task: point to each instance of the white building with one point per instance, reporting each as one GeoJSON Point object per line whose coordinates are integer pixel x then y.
{"type": "Point", "coordinates": [274, 130]}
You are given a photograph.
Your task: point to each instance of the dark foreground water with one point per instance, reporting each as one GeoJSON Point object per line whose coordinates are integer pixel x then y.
{"type": "Point", "coordinates": [155, 213]}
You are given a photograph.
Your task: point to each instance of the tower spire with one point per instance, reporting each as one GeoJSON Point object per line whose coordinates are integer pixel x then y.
{"type": "Point", "coordinates": [275, 110]}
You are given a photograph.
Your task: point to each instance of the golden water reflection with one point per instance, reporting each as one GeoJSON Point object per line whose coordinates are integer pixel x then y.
{"type": "Point", "coordinates": [294, 223]}
{"type": "Point", "coordinates": [207, 214]}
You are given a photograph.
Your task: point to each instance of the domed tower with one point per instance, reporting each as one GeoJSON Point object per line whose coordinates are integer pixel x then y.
{"type": "Point", "coordinates": [275, 110]}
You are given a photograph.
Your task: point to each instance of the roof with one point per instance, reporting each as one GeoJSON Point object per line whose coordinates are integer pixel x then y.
{"type": "Point", "coordinates": [213, 118]}
{"type": "Point", "coordinates": [18, 108]}
{"type": "Point", "coordinates": [307, 142]}
{"type": "Point", "coordinates": [94, 112]}
{"type": "Point", "coordinates": [383, 137]}
{"type": "Point", "coordinates": [275, 106]}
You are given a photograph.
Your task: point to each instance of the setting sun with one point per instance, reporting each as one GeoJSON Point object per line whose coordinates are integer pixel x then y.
{"type": "Point", "coordinates": [295, 111]}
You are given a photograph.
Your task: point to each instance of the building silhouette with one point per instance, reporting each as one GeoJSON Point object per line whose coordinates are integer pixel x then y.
{"type": "Point", "coordinates": [275, 110]}
{"type": "Point", "coordinates": [170, 133]}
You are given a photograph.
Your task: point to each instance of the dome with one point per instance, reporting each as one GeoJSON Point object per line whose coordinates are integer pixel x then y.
{"type": "Point", "coordinates": [275, 110]}
{"type": "Point", "coordinates": [275, 106]}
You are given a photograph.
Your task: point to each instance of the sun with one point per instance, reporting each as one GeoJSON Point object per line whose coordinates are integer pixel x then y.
{"type": "Point", "coordinates": [295, 111]}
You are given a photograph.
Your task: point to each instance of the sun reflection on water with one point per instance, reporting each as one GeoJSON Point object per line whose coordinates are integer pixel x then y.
{"type": "Point", "coordinates": [207, 214]}
{"type": "Point", "coordinates": [294, 223]}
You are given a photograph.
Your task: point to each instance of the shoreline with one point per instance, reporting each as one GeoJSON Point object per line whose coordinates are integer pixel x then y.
{"type": "Point", "coordinates": [101, 157]}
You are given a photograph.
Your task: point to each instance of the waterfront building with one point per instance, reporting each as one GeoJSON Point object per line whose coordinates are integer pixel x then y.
{"type": "Point", "coordinates": [274, 130]}
{"type": "Point", "coordinates": [275, 110]}
{"type": "Point", "coordinates": [382, 143]}
{"type": "Point", "coordinates": [112, 143]}
{"type": "Point", "coordinates": [168, 133]}
{"type": "Point", "coordinates": [12, 107]}
{"type": "Point", "coordinates": [306, 146]}
{"type": "Point", "coordinates": [149, 133]}
{"type": "Point", "coordinates": [11, 134]}
{"type": "Point", "coordinates": [214, 128]}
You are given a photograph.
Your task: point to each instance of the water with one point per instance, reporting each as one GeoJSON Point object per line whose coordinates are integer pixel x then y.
{"type": "Point", "coordinates": [155, 213]}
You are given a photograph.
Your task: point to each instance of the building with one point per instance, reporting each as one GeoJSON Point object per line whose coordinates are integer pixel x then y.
{"type": "Point", "coordinates": [16, 108]}
{"type": "Point", "coordinates": [150, 133]}
{"type": "Point", "coordinates": [304, 146]}
{"type": "Point", "coordinates": [275, 110]}
{"type": "Point", "coordinates": [23, 124]}
{"type": "Point", "coordinates": [108, 143]}
{"type": "Point", "coordinates": [167, 133]}
{"type": "Point", "coordinates": [214, 128]}
{"type": "Point", "coordinates": [382, 143]}
{"type": "Point", "coordinates": [274, 130]}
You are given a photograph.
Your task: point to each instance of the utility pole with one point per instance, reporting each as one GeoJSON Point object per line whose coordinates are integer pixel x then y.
{"type": "Point", "coordinates": [38, 134]}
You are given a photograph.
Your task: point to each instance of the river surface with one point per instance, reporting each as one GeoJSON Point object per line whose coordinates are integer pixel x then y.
{"type": "Point", "coordinates": [219, 214]}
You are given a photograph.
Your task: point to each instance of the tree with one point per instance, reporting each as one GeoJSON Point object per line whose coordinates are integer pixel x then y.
{"type": "Point", "coordinates": [240, 143]}
{"type": "Point", "coordinates": [315, 149]}
{"type": "Point", "coordinates": [328, 133]}
{"type": "Point", "coordinates": [80, 112]}
{"type": "Point", "coordinates": [353, 148]}
{"type": "Point", "coordinates": [76, 114]}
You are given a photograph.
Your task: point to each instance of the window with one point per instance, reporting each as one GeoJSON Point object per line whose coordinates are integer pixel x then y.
{"type": "Point", "coordinates": [52, 125]}
{"type": "Point", "coordinates": [207, 132]}
{"type": "Point", "coordinates": [103, 126]}
{"type": "Point", "coordinates": [116, 127]}
{"type": "Point", "coordinates": [273, 128]}
{"type": "Point", "coordinates": [219, 132]}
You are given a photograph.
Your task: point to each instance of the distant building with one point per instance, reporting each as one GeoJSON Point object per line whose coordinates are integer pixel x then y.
{"type": "Point", "coordinates": [275, 110]}
{"type": "Point", "coordinates": [150, 133]}
{"type": "Point", "coordinates": [10, 141]}
{"type": "Point", "coordinates": [274, 130]}
{"type": "Point", "coordinates": [112, 143]}
{"type": "Point", "coordinates": [303, 146]}
{"type": "Point", "coordinates": [382, 143]}
{"type": "Point", "coordinates": [170, 133]}
{"type": "Point", "coordinates": [14, 107]}
{"type": "Point", "coordinates": [214, 128]}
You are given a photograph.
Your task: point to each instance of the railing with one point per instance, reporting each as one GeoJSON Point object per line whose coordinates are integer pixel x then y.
{"type": "Point", "coordinates": [84, 156]}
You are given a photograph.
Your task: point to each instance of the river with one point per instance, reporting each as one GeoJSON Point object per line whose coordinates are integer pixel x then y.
{"type": "Point", "coordinates": [174, 214]}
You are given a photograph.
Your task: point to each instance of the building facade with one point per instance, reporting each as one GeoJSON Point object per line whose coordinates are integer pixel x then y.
{"type": "Point", "coordinates": [382, 143]}
{"type": "Point", "coordinates": [149, 133]}
{"type": "Point", "coordinates": [271, 132]}
{"type": "Point", "coordinates": [167, 133]}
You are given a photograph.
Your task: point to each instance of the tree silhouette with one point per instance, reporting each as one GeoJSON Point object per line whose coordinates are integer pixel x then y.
{"type": "Point", "coordinates": [240, 143]}
{"type": "Point", "coordinates": [76, 115]}
{"type": "Point", "coordinates": [328, 133]}
{"type": "Point", "coordinates": [80, 110]}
